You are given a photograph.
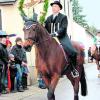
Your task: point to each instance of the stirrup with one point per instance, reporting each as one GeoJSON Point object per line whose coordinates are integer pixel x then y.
{"type": "Point", "coordinates": [75, 73]}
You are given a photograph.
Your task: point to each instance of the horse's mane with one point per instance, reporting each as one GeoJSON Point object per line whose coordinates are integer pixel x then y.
{"type": "Point", "coordinates": [44, 39]}
{"type": "Point", "coordinates": [41, 31]}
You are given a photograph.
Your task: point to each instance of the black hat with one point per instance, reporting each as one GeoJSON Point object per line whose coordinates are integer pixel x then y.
{"type": "Point", "coordinates": [3, 34]}
{"type": "Point", "coordinates": [18, 39]}
{"type": "Point", "coordinates": [57, 3]}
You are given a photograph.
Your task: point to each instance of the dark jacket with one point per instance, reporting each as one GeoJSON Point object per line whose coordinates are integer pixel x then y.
{"type": "Point", "coordinates": [3, 55]}
{"type": "Point", "coordinates": [89, 53]}
{"type": "Point", "coordinates": [13, 68]}
{"type": "Point", "coordinates": [19, 54]}
{"type": "Point", "coordinates": [60, 23]}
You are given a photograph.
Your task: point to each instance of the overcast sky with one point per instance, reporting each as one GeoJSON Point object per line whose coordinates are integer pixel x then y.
{"type": "Point", "coordinates": [91, 8]}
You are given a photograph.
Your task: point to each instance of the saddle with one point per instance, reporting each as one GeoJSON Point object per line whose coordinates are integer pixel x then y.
{"type": "Point", "coordinates": [69, 67]}
{"type": "Point", "coordinates": [66, 68]}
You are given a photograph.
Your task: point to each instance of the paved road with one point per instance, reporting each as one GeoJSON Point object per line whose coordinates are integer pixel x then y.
{"type": "Point", "coordinates": [64, 90]}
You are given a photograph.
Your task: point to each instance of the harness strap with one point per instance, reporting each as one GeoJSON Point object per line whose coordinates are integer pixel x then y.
{"type": "Point", "coordinates": [63, 52]}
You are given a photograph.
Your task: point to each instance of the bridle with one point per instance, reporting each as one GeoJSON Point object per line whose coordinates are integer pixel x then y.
{"type": "Point", "coordinates": [35, 41]}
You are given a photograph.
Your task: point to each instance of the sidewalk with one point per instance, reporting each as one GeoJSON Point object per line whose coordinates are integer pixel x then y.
{"type": "Point", "coordinates": [33, 90]}
{"type": "Point", "coordinates": [21, 95]}
{"type": "Point", "coordinates": [41, 94]}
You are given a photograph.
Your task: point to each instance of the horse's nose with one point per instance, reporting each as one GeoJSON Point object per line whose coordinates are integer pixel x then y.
{"type": "Point", "coordinates": [27, 48]}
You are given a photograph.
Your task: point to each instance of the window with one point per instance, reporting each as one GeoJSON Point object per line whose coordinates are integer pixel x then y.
{"type": "Point", "coordinates": [0, 21]}
{"type": "Point", "coordinates": [7, 1]}
{"type": "Point", "coordinates": [68, 9]}
{"type": "Point", "coordinates": [3, 2]}
{"type": "Point", "coordinates": [65, 6]}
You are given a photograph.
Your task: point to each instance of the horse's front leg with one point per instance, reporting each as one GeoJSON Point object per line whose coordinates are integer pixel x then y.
{"type": "Point", "coordinates": [98, 66]}
{"type": "Point", "coordinates": [52, 86]}
{"type": "Point", "coordinates": [47, 81]}
{"type": "Point", "coordinates": [75, 84]}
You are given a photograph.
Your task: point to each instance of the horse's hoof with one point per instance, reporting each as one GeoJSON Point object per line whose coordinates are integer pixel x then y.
{"type": "Point", "coordinates": [98, 75]}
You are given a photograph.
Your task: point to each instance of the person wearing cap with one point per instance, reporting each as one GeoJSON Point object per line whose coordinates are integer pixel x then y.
{"type": "Point", "coordinates": [20, 59]}
{"type": "Point", "coordinates": [3, 62]}
{"type": "Point", "coordinates": [56, 24]}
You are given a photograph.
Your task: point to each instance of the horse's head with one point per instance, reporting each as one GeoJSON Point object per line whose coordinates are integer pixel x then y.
{"type": "Point", "coordinates": [29, 35]}
{"type": "Point", "coordinates": [34, 33]}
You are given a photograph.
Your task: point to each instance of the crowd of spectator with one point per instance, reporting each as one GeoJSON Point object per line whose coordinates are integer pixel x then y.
{"type": "Point", "coordinates": [13, 65]}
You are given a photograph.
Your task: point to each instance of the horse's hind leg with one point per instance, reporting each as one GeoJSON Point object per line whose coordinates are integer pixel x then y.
{"type": "Point", "coordinates": [98, 67]}
{"type": "Point", "coordinates": [52, 86]}
{"type": "Point", "coordinates": [75, 84]}
{"type": "Point", "coordinates": [76, 89]}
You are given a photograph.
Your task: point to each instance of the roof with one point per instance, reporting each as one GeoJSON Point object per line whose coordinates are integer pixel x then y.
{"type": "Point", "coordinates": [7, 2]}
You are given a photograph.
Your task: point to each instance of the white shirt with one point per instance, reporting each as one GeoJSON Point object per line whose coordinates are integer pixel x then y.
{"type": "Point", "coordinates": [54, 15]}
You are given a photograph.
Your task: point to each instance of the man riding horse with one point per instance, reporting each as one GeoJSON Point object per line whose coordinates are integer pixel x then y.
{"type": "Point", "coordinates": [56, 25]}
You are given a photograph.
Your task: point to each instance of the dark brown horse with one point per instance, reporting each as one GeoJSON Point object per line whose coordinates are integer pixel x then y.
{"type": "Point", "coordinates": [51, 61]}
{"type": "Point", "coordinates": [96, 56]}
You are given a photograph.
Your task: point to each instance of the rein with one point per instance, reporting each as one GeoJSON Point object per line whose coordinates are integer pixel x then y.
{"type": "Point", "coordinates": [39, 42]}
{"type": "Point", "coordinates": [35, 42]}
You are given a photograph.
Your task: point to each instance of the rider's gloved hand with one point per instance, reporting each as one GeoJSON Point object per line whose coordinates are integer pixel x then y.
{"type": "Point", "coordinates": [55, 34]}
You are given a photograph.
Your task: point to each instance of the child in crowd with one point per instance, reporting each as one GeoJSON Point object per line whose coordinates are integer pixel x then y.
{"type": "Point", "coordinates": [13, 72]}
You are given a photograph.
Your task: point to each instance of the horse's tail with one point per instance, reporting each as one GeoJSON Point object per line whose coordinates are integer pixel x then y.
{"type": "Point", "coordinates": [83, 83]}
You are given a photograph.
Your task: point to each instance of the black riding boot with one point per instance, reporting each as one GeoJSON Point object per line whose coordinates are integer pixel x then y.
{"type": "Point", "coordinates": [74, 71]}
{"type": "Point", "coordinates": [0, 81]}
{"type": "Point", "coordinates": [72, 52]}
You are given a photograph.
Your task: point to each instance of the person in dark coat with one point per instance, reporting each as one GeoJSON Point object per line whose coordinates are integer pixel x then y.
{"type": "Point", "coordinates": [3, 62]}
{"type": "Point", "coordinates": [90, 57]}
{"type": "Point", "coordinates": [20, 57]}
{"type": "Point", "coordinates": [56, 24]}
{"type": "Point", "coordinates": [25, 72]}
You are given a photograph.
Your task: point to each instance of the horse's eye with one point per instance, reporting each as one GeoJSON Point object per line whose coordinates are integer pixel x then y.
{"type": "Point", "coordinates": [33, 29]}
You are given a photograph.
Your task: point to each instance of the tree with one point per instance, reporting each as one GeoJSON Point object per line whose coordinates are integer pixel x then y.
{"type": "Point", "coordinates": [92, 29]}
{"type": "Point", "coordinates": [77, 16]}
{"type": "Point", "coordinates": [33, 2]}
